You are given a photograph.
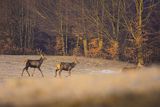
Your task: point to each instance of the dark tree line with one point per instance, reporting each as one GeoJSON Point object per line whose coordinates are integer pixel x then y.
{"type": "Point", "coordinates": [127, 30]}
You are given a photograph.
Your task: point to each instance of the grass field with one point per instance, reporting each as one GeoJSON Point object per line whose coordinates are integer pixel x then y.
{"type": "Point", "coordinates": [94, 83]}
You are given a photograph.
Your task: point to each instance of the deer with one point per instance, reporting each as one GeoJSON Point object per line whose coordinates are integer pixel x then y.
{"type": "Point", "coordinates": [132, 69]}
{"type": "Point", "coordinates": [66, 66]}
{"type": "Point", "coordinates": [34, 64]}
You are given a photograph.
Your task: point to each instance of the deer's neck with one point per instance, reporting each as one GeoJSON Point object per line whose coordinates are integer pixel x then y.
{"type": "Point", "coordinates": [41, 60]}
{"type": "Point", "coordinates": [73, 64]}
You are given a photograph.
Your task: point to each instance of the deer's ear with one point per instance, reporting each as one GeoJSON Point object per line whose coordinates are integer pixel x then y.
{"type": "Point", "coordinates": [39, 51]}
{"type": "Point", "coordinates": [75, 59]}
{"type": "Point", "coordinates": [42, 55]}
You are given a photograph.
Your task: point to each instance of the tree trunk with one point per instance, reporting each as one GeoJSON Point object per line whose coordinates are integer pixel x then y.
{"type": "Point", "coordinates": [139, 9]}
{"type": "Point", "coordinates": [85, 46]}
{"type": "Point", "coordinates": [100, 37]}
{"type": "Point", "coordinates": [61, 28]}
{"type": "Point", "coordinates": [84, 32]}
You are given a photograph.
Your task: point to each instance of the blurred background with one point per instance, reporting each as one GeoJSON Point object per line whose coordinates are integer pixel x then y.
{"type": "Point", "coordinates": [115, 29]}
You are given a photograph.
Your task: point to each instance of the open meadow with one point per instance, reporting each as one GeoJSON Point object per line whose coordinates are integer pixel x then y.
{"type": "Point", "coordinates": [83, 53]}
{"type": "Point", "coordinates": [93, 83]}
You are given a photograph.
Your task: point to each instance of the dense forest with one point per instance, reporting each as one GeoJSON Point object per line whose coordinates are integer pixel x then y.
{"type": "Point", "coordinates": [127, 30]}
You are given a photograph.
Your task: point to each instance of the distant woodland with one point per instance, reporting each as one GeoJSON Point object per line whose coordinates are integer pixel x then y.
{"type": "Point", "coordinates": [127, 30]}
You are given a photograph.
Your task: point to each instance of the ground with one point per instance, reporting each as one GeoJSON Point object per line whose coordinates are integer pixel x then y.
{"type": "Point", "coordinates": [94, 82]}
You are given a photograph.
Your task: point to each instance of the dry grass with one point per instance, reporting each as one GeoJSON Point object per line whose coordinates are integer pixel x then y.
{"type": "Point", "coordinates": [87, 87]}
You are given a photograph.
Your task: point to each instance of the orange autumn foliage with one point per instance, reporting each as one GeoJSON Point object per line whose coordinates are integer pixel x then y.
{"type": "Point", "coordinates": [113, 48]}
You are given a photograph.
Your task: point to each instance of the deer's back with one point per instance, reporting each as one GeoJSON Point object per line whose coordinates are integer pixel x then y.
{"type": "Point", "coordinates": [66, 65]}
{"type": "Point", "coordinates": [33, 63]}
{"type": "Point", "coordinates": [130, 69]}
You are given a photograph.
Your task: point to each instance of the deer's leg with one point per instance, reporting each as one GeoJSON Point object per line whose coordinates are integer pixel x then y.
{"type": "Point", "coordinates": [23, 71]}
{"type": "Point", "coordinates": [33, 72]}
{"type": "Point", "coordinates": [41, 72]}
{"type": "Point", "coordinates": [27, 72]}
{"type": "Point", "coordinates": [56, 72]}
{"type": "Point", "coordinates": [69, 73]}
{"type": "Point", "coordinates": [60, 73]}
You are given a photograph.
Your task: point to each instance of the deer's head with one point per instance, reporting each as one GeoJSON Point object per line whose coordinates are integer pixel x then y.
{"type": "Point", "coordinates": [41, 54]}
{"type": "Point", "coordinates": [43, 57]}
{"type": "Point", "coordinates": [75, 59]}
